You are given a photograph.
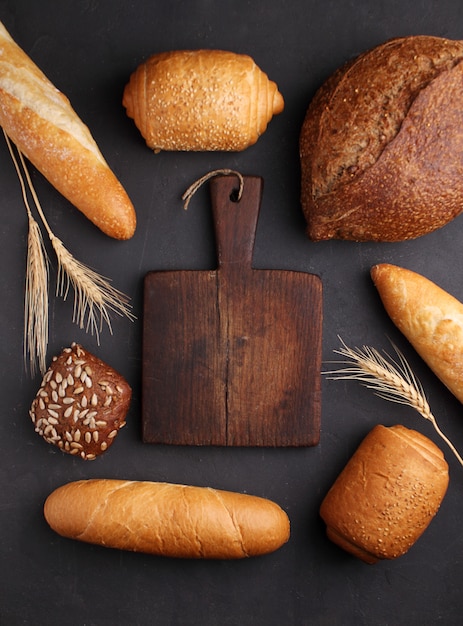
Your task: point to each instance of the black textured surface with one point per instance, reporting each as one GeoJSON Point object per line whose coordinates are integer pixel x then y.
{"type": "Point", "coordinates": [88, 49]}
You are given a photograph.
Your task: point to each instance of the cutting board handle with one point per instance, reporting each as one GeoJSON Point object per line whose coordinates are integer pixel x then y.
{"type": "Point", "coordinates": [235, 221]}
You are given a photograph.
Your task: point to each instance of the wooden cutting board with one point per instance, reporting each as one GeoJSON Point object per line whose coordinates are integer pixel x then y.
{"type": "Point", "coordinates": [232, 356]}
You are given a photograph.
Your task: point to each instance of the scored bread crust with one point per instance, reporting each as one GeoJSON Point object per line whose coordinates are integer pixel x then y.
{"type": "Point", "coordinates": [201, 100]}
{"type": "Point", "coordinates": [429, 317]}
{"type": "Point", "coordinates": [381, 144]}
{"type": "Point", "coordinates": [167, 519]}
{"type": "Point", "coordinates": [39, 119]}
{"type": "Point", "coordinates": [387, 494]}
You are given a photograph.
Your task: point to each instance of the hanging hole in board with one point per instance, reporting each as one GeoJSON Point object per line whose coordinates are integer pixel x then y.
{"type": "Point", "coordinates": [235, 195]}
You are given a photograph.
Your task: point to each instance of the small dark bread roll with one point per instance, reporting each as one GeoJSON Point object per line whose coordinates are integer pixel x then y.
{"type": "Point", "coordinates": [81, 404]}
{"type": "Point", "coordinates": [387, 494]}
{"type": "Point", "coordinates": [381, 145]}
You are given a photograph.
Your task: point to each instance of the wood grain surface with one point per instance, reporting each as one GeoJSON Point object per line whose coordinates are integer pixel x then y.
{"type": "Point", "coordinates": [232, 356]}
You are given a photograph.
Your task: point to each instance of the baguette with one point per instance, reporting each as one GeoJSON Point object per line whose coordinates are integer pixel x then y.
{"type": "Point", "coordinates": [166, 519]}
{"type": "Point", "coordinates": [39, 119]}
{"type": "Point", "coordinates": [429, 317]}
{"type": "Point", "coordinates": [381, 147]}
{"type": "Point", "coordinates": [201, 100]}
{"type": "Point", "coordinates": [387, 494]}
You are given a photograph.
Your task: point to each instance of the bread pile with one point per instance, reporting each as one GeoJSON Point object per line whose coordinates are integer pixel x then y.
{"type": "Point", "coordinates": [381, 159]}
{"type": "Point", "coordinates": [381, 146]}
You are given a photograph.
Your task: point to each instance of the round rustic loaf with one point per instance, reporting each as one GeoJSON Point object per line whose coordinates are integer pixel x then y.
{"type": "Point", "coordinates": [381, 145]}
{"type": "Point", "coordinates": [387, 494]}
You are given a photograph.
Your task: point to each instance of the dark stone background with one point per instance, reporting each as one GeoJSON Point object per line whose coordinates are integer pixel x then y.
{"type": "Point", "coordinates": [88, 49]}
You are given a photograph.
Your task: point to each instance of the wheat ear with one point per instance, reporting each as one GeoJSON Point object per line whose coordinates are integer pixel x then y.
{"type": "Point", "coordinates": [94, 296]}
{"type": "Point", "coordinates": [36, 287]}
{"type": "Point", "coordinates": [390, 379]}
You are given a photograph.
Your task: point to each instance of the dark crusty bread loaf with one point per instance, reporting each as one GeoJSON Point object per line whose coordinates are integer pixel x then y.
{"type": "Point", "coordinates": [166, 519]}
{"type": "Point", "coordinates": [381, 145]}
{"type": "Point", "coordinates": [387, 494]}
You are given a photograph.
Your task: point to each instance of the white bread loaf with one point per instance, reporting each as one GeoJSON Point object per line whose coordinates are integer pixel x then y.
{"type": "Point", "coordinates": [429, 317]}
{"type": "Point", "coordinates": [167, 519]}
{"type": "Point", "coordinates": [39, 119]}
{"type": "Point", "coordinates": [387, 494]}
{"type": "Point", "coordinates": [201, 100]}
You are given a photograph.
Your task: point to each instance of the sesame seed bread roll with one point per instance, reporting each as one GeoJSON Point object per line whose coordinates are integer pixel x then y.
{"type": "Point", "coordinates": [429, 317]}
{"type": "Point", "coordinates": [387, 494]}
{"type": "Point", "coordinates": [201, 100]}
{"type": "Point", "coordinates": [381, 147]}
{"type": "Point", "coordinates": [167, 519]}
{"type": "Point", "coordinates": [39, 119]}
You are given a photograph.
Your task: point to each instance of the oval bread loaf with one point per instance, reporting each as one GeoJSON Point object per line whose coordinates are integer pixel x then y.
{"type": "Point", "coordinates": [39, 119]}
{"type": "Point", "coordinates": [387, 494]}
{"type": "Point", "coordinates": [429, 317]}
{"type": "Point", "coordinates": [167, 519]}
{"type": "Point", "coordinates": [381, 144]}
{"type": "Point", "coordinates": [201, 100]}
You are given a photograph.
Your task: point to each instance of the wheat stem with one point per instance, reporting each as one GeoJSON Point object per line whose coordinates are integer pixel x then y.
{"type": "Point", "coordinates": [36, 286]}
{"type": "Point", "coordinates": [390, 379]}
{"type": "Point", "coordinates": [36, 301]}
{"type": "Point", "coordinates": [94, 296]}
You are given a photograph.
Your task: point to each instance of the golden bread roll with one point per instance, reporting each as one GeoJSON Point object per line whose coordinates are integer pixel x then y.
{"type": "Point", "coordinates": [39, 119]}
{"type": "Point", "coordinates": [429, 317]}
{"type": "Point", "coordinates": [387, 494]}
{"type": "Point", "coordinates": [201, 100]}
{"type": "Point", "coordinates": [381, 148]}
{"type": "Point", "coordinates": [166, 519]}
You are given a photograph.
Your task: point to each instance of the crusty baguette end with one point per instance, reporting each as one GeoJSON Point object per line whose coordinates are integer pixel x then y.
{"type": "Point", "coordinates": [39, 119]}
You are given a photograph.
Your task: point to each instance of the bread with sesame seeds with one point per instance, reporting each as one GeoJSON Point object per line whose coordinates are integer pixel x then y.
{"type": "Point", "coordinates": [39, 119]}
{"type": "Point", "coordinates": [81, 404]}
{"type": "Point", "coordinates": [381, 144]}
{"type": "Point", "coordinates": [167, 519]}
{"type": "Point", "coordinates": [387, 494]}
{"type": "Point", "coordinates": [201, 100]}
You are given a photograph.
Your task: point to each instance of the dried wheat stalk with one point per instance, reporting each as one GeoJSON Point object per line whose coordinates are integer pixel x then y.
{"type": "Point", "coordinates": [36, 288]}
{"type": "Point", "coordinates": [36, 301]}
{"type": "Point", "coordinates": [94, 296]}
{"type": "Point", "coordinates": [391, 380]}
